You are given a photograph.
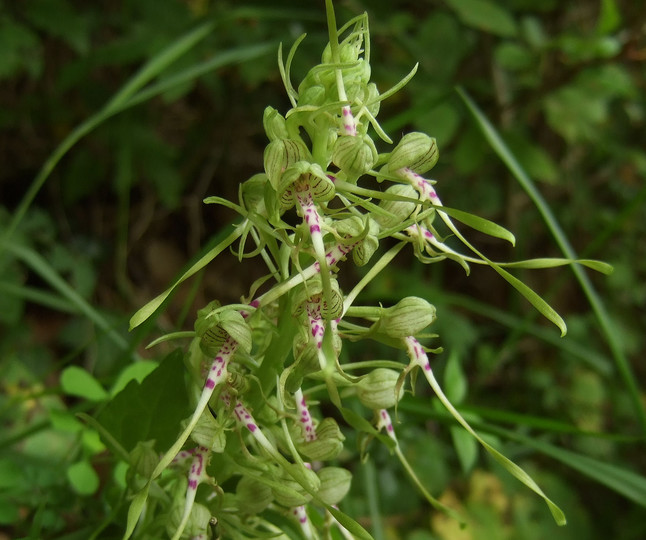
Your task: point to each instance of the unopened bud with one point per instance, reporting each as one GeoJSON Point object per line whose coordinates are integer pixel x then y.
{"type": "Point", "coordinates": [309, 175]}
{"type": "Point", "coordinates": [197, 524]}
{"type": "Point", "coordinates": [328, 443]}
{"type": "Point", "coordinates": [311, 292]}
{"type": "Point", "coordinates": [400, 210]}
{"type": "Point", "coordinates": [209, 433]}
{"type": "Point", "coordinates": [406, 318]}
{"type": "Point", "coordinates": [252, 193]}
{"type": "Point", "coordinates": [378, 389]}
{"type": "Point", "coordinates": [311, 95]}
{"type": "Point", "coordinates": [143, 459]}
{"type": "Point", "coordinates": [416, 151]}
{"type": "Point", "coordinates": [335, 484]}
{"type": "Point", "coordinates": [290, 493]}
{"type": "Point", "coordinates": [253, 496]}
{"type": "Point", "coordinates": [280, 154]}
{"type": "Point", "coordinates": [274, 124]}
{"type": "Point", "coordinates": [213, 327]}
{"type": "Point", "coordinates": [354, 155]}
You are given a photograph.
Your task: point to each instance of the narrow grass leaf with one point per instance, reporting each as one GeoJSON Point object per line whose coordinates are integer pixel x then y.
{"type": "Point", "coordinates": [628, 483]}
{"type": "Point", "coordinates": [612, 338]}
{"type": "Point", "coordinates": [513, 469]}
{"type": "Point", "coordinates": [159, 63]}
{"type": "Point", "coordinates": [481, 224]}
{"type": "Point", "coordinates": [599, 266]}
{"type": "Point", "coordinates": [533, 298]}
{"type": "Point", "coordinates": [349, 523]}
{"type": "Point", "coordinates": [146, 311]}
{"type": "Point", "coordinates": [39, 265]}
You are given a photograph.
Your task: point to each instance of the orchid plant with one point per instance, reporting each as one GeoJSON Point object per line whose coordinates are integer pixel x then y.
{"type": "Point", "coordinates": [257, 449]}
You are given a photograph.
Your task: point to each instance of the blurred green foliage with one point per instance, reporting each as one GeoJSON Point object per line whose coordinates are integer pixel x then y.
{"type": "Point", "coordinates": [121, 213]}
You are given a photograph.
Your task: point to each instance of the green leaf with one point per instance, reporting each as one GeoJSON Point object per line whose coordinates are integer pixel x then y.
{"type": "Point", "coordinates": [454, 380]}
{"type": "Point", "coordinates": [533, 298]}
{"type": "Point", "coordinates": [145, 312]}
{"type": "Point", "coordinates": [83, 477]}
{"type": "Point", "coordinates": [480, 224]}
{"type": "Point", "coordinates": [134, 372]}
{"type": "Point", "coordinates": [78, 382]}
{"type": "Point", "coordinates": [513, 469]}
{"type": "Point", "coordinates": [552, 262]}
{"type": "Point", "coordinates": [613, 340]}
{"type": "Point", "coordinates": [349, 523]}
{"type": "Point", "coordinates": [485, 15]}
{"type": "Point", "coordinates": [21, 49]}
{"type": "Point", "coordinates": [150, 410]}
{"type": "Point", "coordinates": [466, 447]}
{"type": "Point", "coordinates": [609, 18]}
{"type": "Point", "coordinates": [59, 19]}
{"type": "Point", "coordinates": [42, 267]}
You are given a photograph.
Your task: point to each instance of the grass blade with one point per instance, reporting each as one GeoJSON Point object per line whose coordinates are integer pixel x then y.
{"type": "Point", "coordinates": [39, 265]}
{"type": "Point", "coordinates": [612, 337]}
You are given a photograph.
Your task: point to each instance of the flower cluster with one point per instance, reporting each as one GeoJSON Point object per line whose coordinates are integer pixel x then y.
{"type": "Point", "coordinates": [257, 442]}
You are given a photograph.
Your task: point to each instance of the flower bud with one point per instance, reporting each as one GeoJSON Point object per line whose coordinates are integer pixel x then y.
{"type": "Point", "coordinates": [406, 318]}
{"type": "Point", "coordinates": [197, 524]}
{"type": "Point", "coordinates": [378, 389]}
{"type": "Point", "coordinates": [365, 249]}
{"type": "Point", "coordinates": [311, 176]}
{"type": "Point", "coordinates": [274, 124]}
{"type": "Point", "coordinates": [400, 210]}
{"type": "Point", "coordinates": [354, 155]}
{"type": "Point", "coordinates": [371, 100]}
{"type": "Point", "coordinates": [311, 292]}
{"type": "Point", "coordinates": [290, 493]}
{"type": "Point", "coordinates": [143, 459]}
{"type": "Point", "coordinates": [213, 327]}
{"type": "Point", "coordinates": [252, 496]}
{"type": "Point", "coordinates": [311, 95]}
{"type": "Point", "coordinates": [328, 443]}
{"type": "Point", "coordinates": [209, 433]}
{"type": "Point", "coordinates": [252, 193]}
{"type": "Point", "coordinates": [416, 151]}
{"type": "Point", "coordinates": [335, 484]}
{"type": "Point", "coordinates": [280, 154]}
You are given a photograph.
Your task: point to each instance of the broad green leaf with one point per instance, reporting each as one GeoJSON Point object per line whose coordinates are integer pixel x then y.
{"type": "Point", "coordinates": [150, 410]}
{"type": "Point", "coordinates": [485, 15]}
{"type": "Point", "coordinates": [146, 311]}
{"type": "Point", "coordinates": [137, 371]}
{"type": "Point", "coordinates": [78, 382]}
{"type": "Point", "coordinates": [83, 477]}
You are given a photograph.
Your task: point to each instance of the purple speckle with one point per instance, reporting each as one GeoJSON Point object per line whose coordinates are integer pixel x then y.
{"type": "Point", "coordinates": [210, 384]}
{"type": "Point", "coordinates": [252, 427]}
{"type": "Point", "coordinates": [192, 484]}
